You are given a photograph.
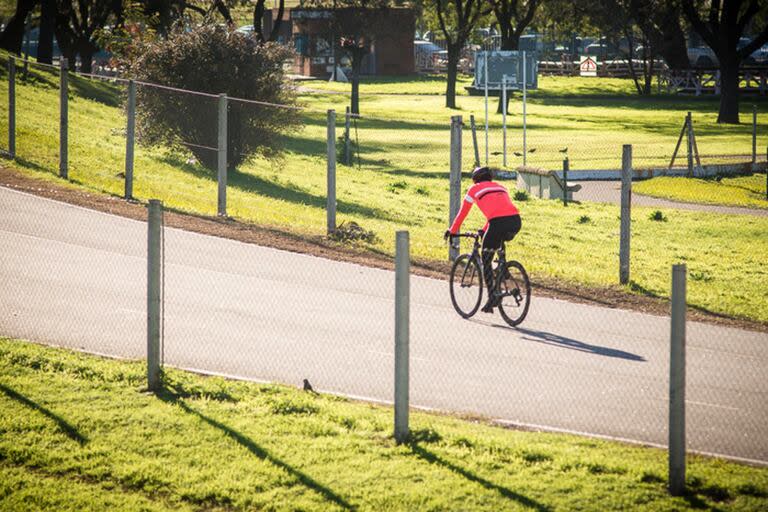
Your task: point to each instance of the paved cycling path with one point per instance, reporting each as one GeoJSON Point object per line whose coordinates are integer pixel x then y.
{"type": "Point", "coordinates": [610, 192]}
{"type": "Point", "coordinates": [76, 278]}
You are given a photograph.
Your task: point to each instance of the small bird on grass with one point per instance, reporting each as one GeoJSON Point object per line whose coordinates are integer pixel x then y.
{"type": "Point", "coordinates": [308, 387]}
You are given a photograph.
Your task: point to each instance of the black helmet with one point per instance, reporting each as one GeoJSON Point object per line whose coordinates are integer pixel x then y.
{"type": "Point", "coordinates": [481, 174]}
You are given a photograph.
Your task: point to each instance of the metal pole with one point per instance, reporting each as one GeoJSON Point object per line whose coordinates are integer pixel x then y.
{"type": "Point", "coordinates": [331, 206]}
{"type": "Point", "coordinates": [455, 178]}
{"type": "Point", "coordinates": [754, 134]}
{"type": "Point", "coordinates": [347, 152]}
{"type": "Point", "coordinates": [63, 118]}
{"type": "Point", "coordinates": [689, 131]}
{"type": "Point", "coordinates": [154, 287]}
{"type": "Point", "coordinates": [12, 107]}
{"type": "Point", "coordinates": [677, 383]}
{"type": "Point", "coordinates": [525, 125]}
{"type": "Point", "coordinates": [504, 119]}
{"type": "Point", "coordinates": [402, 310]}
{"type": "Point", "coordinates": [129, 139]}
{"type": "Point", "coordinates": [222, 161]}
{"type": "Point", "coordinates": [486, 107]}
{"type": "Point", "coordinates": [566, 166]}
{"type": "Point", "coordinates": [626, 203]}
{"type": "Point", "coordinates": [474, 139]}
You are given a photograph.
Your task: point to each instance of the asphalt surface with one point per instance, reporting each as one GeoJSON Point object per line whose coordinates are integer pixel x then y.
{"type": "Point", "coordinates": [610, 192]}
{"type": "Point", "coordinates": [77, 278]}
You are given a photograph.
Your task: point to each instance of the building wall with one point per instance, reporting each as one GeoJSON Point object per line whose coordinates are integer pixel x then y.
{"type": "Point", "coordinates": [392, 51]}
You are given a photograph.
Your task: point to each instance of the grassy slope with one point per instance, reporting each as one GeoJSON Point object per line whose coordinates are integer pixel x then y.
{"type": "Point", "coordinates": [402, 184]}
{"type": "Point", "coordinates": [79, 433]}
{"type": "Point", "coordinates": [747, 191]}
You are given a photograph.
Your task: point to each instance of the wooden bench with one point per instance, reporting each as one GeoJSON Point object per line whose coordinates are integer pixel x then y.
{"type": "Point", "coordinates": [542, 183]}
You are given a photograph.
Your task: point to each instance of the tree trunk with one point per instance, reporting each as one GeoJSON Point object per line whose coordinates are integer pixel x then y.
{"type": "Point", "coordinates": [45, 41]}
{"type": "Point", "coordinates": [501, 101]}
{"type": "Point", "coordinates": [13, 35]}
{"type": "Point", "coordinates": [453, 65]}
{"type": "Point", "coordinates": [729, 89]}
{"type": "Point", "coordinates": [511, 41]}
{"type": "Point", "coordinates": [357, 63]}
{"type": "Point", "coordinates": [86, 51]}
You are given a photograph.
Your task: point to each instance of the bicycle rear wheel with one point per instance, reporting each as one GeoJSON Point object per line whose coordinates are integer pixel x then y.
{"type": "Point", "coordinates": [514, 291]}
{"type": "Point", "coordinates": [466, 285]}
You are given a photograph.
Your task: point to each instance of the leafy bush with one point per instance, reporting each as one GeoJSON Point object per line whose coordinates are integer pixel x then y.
{"type": "Point", "coordinates": [521, 195]}
{"type": "Point", "coordinates": [658, 216]}
{"type": "Point", "coordinates": [584, 219]}
{"type": "Point", "coordinates": [213, 59]}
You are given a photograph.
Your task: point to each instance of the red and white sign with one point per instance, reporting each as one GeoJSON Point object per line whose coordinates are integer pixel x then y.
{"type": "Point", "coordinates": [588, 65]}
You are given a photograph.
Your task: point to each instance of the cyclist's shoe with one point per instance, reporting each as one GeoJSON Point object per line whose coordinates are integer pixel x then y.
{"type": "Point", "coordinates": [490, 305]}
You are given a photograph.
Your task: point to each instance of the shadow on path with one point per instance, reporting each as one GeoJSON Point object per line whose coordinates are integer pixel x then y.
{"type": "Point", "coordinates": [562, 341]}
{"type": "Point", "coordinates": [433, 458]}
{"type": "Point", "coordinates": [67, 429]}
{"type": "Point", "coordinates": [173, 396]}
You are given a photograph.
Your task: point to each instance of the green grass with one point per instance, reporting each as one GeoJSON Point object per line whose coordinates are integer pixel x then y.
{"type": "Point", "coordinates": [80, 433]}
{"type": "Point", "coordinates": [745, 191]}
{"type": "Point", "coordinates": [402, 184]}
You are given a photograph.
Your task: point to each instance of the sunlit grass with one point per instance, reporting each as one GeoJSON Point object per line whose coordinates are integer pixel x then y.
{"type": "Point", "coordinates": [746, 191]}
{"type": "Point", "coordinates": [81, 433]}
{"type": "Point", "coordinates": [398, 180]}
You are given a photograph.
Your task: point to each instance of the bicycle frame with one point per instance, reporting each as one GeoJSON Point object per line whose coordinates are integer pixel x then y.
{"type": "Point", "coordinates": [475, 255]}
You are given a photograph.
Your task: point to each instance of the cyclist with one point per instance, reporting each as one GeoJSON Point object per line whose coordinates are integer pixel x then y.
{"type": "Point", "coordinates": [502, 225]}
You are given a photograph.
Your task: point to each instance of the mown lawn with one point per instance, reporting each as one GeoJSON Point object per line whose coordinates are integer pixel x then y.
{"type": "Point", "coordinates": [80, 433]}
{"type": "Point", "coordinates": [398, 180]}
{"type": "Point", "coordinates": [746, 191]}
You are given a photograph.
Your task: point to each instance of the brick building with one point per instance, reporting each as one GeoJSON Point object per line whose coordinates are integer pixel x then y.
{"type": "Point", "coordinates": [391, 40]}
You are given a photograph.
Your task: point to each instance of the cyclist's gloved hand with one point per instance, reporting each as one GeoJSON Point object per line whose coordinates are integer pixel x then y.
{"type": "Point", "coordinates": [480, 233]}
{"type": "Point", "coordinates": [446, 234]}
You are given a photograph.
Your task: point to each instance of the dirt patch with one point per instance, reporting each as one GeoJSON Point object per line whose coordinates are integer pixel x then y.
{"type": "Point", "coordinates": [612, 297]}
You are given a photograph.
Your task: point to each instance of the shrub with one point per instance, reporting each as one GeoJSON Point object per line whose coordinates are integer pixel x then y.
{"type": "Point", "coordinates": [521, 195]}
{"type": "Point", "coordinates": [213, 59]}
{"type": "Point", "coordinates": [584, 219]}
{"type": "Point", "coordinates": [658, 216]}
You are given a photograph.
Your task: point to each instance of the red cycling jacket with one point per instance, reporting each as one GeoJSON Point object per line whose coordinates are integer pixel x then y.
{"type": "Point", "coordinates": [492, 199]}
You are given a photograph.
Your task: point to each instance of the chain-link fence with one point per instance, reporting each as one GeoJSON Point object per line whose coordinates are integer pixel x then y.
{"type": "Point", "coordinates": [248, 311]}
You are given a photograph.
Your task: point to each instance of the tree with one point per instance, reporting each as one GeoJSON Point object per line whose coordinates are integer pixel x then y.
{"type": "Point", "coordinates": [213, 59]}
{"type": "Point", "coordinates": [660, 21]}
{"type": "Point", "coordinates": [258, 16]}
{"type": "Point", "coordinates": [77, 26]}
{"type": "Point", "coordinates": [13, 35]}
{"type": "Point", "coordinates": [457, 19]}
{"type": "Point", "coordinates": [513, 17]}
{"type": "Point", "coordinates": [725, 24]}
{"type": "Point", "coordinates": [47, 27]}
{"type": "Point", "coordinates": [355, 25]}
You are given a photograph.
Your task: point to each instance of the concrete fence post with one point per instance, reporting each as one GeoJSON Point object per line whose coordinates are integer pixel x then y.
{"type": "Point", "coordinates": [347, 145]}
{"type": "Point", "coordinates": [473, 126]}
{"type": "Point", "coordinates": [626, 213]}
{"type": "Point", "coordinates": [222, 157]}
{"type": "Point", "coordinates": [331, 181]}
{"type": "Point", "coordinates": [754, 134]}
{"type": "Point", "coordinates": [689, 142]}
{"type": "Point", "coordinates": [154, 289]}
{"type": "Point", "coordinates": [130, 132]}
{"type": "Point", "coordinates": [402, 314]}
{"type": "Point", "coordinates": [566, 167]}
{"type": "Point", "coordinates": [12, 107]}
{"type": "Point", "coordinates": [525, 109]}
{"type": "Point", "coordinates": [504, 119]}
{"type": "Point", "coordinates": [485, 74]}
{"type": "Point", "coordinates": [454, 178]}
{"type": "Point", "coordinates": [677, 383]}
{"type": "Point", "coordinates": [63, 118]}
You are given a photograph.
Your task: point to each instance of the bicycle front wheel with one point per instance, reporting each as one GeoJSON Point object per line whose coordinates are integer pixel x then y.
{"type": "Point", "coordinates": [514, 291]}
{"type": "Point", "coordinates": [466, 285]}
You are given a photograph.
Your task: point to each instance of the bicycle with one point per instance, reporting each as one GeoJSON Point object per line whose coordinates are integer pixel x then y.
{"type": "Point", "coordinates": [511, 284]}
